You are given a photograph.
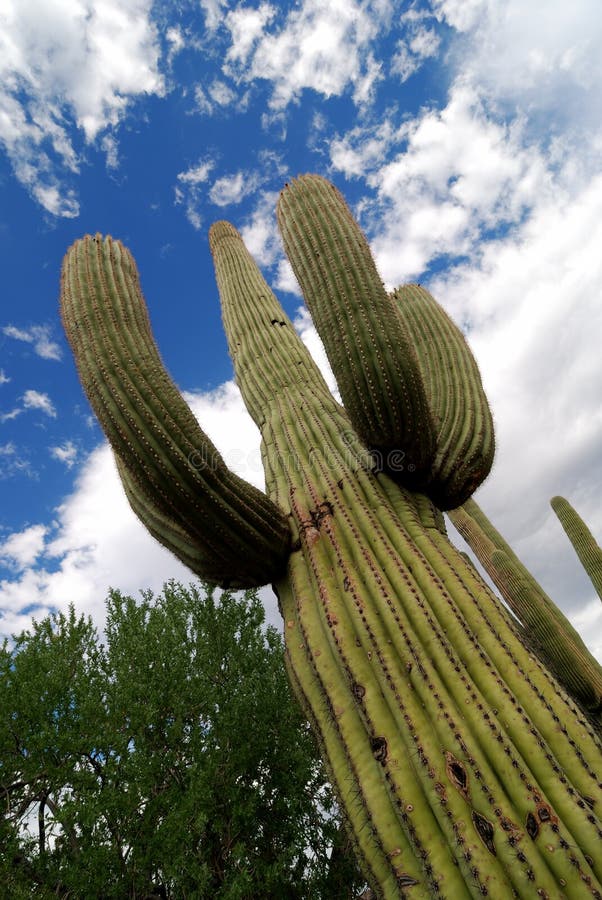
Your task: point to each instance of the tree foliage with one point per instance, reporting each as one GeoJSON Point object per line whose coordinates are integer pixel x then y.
{"type": "Point", "coordinates": [163, 759]}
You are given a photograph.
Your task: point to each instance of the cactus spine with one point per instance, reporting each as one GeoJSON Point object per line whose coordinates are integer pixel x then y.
{"type": "Point", "coordinates": [585, 544]}
{"type": "Point", "coordinates": [462, 768]}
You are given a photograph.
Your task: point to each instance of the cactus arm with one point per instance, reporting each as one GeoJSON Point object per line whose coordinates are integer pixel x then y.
{"type": "Point", "coordinates": [416, 718]}
{"type": "Point", "coordinates": [550, 632]}
{"type": "Point", "coordinates": [240, 537]}
{"type": "Point", "coordinates": [269, 358]}
{"type": "Point", "coordinates": [366, 344]}
{"type": "Point", "coordinates": [165, 529]}
{"type": "Point", "coordinates": [465, 438]}
{"type": "Point", "coordinates": [584, 543]}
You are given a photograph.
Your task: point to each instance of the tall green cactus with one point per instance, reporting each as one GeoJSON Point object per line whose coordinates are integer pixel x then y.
{"type": "Point", "coordinates": [585, 544]}
{"type": "Point", "coordinates": [463, 770]}
{"type": "Point", "coordinates": [547, 629]}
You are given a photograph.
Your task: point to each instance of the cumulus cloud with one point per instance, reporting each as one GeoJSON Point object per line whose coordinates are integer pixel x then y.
{"type": "Point", "coordinates": [65, 64]}
{"type": "Point", "coordinates": [232, 189]}
{"type": "Point", "coordinates": [544, 57]}
{"type": "Point", "coordinates": [39, 337]}
{"type": "Point", "coordinates": [21, 549]}
{"type": "Point", "coordinates": [322, 47]}
{"type": "Point", "coordinates": [39, 400]}
{"type": "Point", "coordinates": [460, 176]}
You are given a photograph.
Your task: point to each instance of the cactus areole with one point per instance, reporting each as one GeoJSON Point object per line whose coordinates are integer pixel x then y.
{"type": "Point", "coordinates": [462, 768]}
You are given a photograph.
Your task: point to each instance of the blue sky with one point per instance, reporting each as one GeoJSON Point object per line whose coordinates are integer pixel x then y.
{"type": "Point", "coordinates": [466, 136]}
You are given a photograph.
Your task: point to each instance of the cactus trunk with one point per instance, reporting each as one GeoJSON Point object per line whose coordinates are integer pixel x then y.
{"type": "Point", "coordinates": [437, 723]}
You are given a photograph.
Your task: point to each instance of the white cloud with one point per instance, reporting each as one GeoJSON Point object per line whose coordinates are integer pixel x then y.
{"type": "Point", "coordinates": [460, 176]}
{"type": "Point", "coordinates": [362, 150]}
{"type": "Point", "coordinates": [9, 416]}
{"type": "Point", "coordinates": [39, 336]}
{"type": "Point", "coordinates": [420, 43]}
{"type": "Point", "coordinates": [188, 191]}
{"type": "Point", "coordinates": [13, 461]}
{"type": "Point", "coordinates": [197, 174]}
{"type": "Point", "coordinates": [65, 453]}
{"type": "Point", "coordinates": [21, 549]}
{"type": "Point", "coordinates": [221, 93]}
{"type": "Point", "coordinates": [176, 41]}
{"type": "Point", "coordinates": [213, 12]}
{"type": "Point", "coordinates": [68, 62]}
{"type": "Point", "coordinates": [260, 233]}
{"type": "Point", "coordinates": [39, 400]}
{"type": "Point", "coordinates": [323, 47]}
{"type": "Point", "coordinates": [231, 189]}
{"type": "Point", "coordinates": [544, 57]}
{"type": "Point", "coordinates": [4, 379]}
{"type": "Point", "coordinates": [110, 147]}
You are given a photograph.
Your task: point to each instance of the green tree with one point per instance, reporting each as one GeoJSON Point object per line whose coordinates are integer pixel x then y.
{"type": "Point", "coordinates": [165, 760]}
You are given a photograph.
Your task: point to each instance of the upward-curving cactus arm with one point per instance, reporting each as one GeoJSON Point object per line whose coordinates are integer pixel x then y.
{"type": "Point", "coordinates": [368, 347]}
{"type": "Point", "coordinates": [549, 632]}
{"type": "Point", "coordinates": [175, 477]}
{"type": "Point", "coordinates": [454, 391]}
{"type": "Point", "coordinates": [585, 545]}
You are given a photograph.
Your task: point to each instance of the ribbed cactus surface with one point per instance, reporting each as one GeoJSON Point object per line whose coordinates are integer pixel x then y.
{"type": "Point", "coordinates": [547, 629]}
{"type": "Point", "coordinates": [585, 545]}
{"type": "Point", "coordinates": [462, 768]}
{"type": "Point", "coordinates": [226, 530]}
{"type": "Point", "coordinates": [455, 397]}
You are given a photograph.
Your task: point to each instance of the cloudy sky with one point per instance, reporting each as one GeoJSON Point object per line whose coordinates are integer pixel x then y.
{"type": "Point", "coordinates": [464, 133]}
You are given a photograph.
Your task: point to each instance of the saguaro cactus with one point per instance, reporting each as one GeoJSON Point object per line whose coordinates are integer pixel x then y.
{"type": "Point", "coordinates": [585, 545]}
{"type": "Point", "coordinates": [463, 770]}
{"type": "Point", "coordinates": [547, 630]}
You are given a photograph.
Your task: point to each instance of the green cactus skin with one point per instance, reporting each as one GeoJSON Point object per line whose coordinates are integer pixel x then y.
{"type": "Point", "coordinates": [454, 393]}
{"type": "Point", "coordinates": [440, 729]}
{"type": "Point", "coordinates": [367, 345]}
{"type": "Point", "coordinates": [585, 544]}
{"type": "Point", "coordinates": [225, 529]}
{"type": "Point", "coordinates": [462, 768]}
{"type": "Point", "coordinates": [548, 631]}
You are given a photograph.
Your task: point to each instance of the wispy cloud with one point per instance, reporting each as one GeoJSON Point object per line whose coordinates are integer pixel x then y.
{"type": "Point", "coordinates": [65, 453]}
{"type": "Point", "coordinates": [14, 462]}
{"type": "Point", "coordinates": [9, 416]}
{"type": "Point", "coordinates": [4, 379]}
{"type": "Point", "coordinates": [39, 400]}
{"type": "Point", "coordinates": [188, 192]}
{"type": "Point", "coordinates": [232, 189]}
{"type": "Point", "coordinates": [39, 337]}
